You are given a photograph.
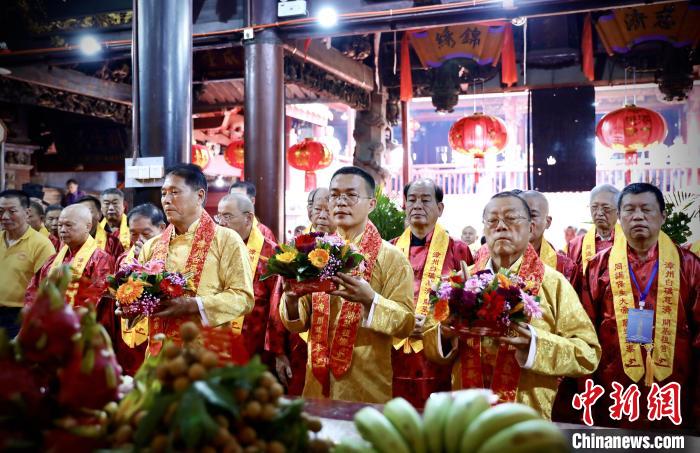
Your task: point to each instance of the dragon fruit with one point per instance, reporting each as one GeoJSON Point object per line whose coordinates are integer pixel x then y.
{"type": "Point", "coordinates": [49, 326]}
{"type": "Point", "coordinates": [90, 380]}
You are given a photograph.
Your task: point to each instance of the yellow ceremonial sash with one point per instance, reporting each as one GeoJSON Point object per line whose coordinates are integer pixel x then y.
{"type": "Point", "coordinates": [255, 244]}
{"type": "Point", "coordinates": [139, 333]}
{"type": "Point", "coordinates": [101, 234]}
{"type": "Point", "coordinates": [588, 244]}
{"type": "Point", "coordinates": [77, 265]}
{"type": "Point", "coordinates": [124, 234]}
{"type": "Point", "coordinates": [695, 248]}
{"type": "Point", "coordinates": [432, 271]}
{"type": "Point", "coordinates": [548, 255]}
{"type": "Point", "coordinates": [660, 363]}
{"type": "Point", "coordinates": [44, 231]}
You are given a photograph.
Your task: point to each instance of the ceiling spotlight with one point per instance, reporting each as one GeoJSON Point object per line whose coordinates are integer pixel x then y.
{"type": "Point", "coordinates": [89, 45]}
{"type": "Point", "coordinates": [219, 181]}
{"type": "Point", "coordinates": [508, 4]}
{"type": "Point", "coordinates": [5, 71]}
{"type": "Point", "coordinates": [327, 17]}
{"type": "Point", "coordinates": [519, 21]}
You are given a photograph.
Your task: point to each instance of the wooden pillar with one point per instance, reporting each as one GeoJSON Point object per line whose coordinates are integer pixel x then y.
{"type": "Point", "coordinates": [370, 138]}
{"type": "Point", "coordinates": [264, 118]}
{"type": "Point", "coordinates": [162, 84]}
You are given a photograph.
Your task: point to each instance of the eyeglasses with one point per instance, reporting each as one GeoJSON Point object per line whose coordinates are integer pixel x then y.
{"type": "Point", "coordinates": [351, 199]}
{"type": "Point", "coordinates": [227, 218]}
{"type": "Point", "coordinates": [605, 209]}
{"type": "Point", "coordinates": [508, 221]}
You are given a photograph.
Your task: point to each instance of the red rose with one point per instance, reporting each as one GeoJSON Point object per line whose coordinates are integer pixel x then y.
{"type": "Point", "coordinates": [305, 243]}
{"type": "Point", "coordinates": [170, 289]}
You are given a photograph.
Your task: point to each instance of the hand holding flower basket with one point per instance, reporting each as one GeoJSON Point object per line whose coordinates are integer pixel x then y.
{"type": "Point", "coordinates": [484, 304]}
{"type": "Point", "coordinates": [310, 260]}
{"type": "Point", "coordinates": [140, 288]}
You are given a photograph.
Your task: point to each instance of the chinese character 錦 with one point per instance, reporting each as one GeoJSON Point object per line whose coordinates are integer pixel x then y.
{"type": "Point", "coordinates": [471, 37]}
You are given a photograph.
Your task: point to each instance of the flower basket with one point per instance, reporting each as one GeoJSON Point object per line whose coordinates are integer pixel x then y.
{"type": "Point", "coordinates": [312, 286]}
{"type": "Point", "coordinates": [482, 328]}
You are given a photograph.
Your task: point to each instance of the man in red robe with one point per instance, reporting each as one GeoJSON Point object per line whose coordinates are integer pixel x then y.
{"type": "Point", "coordinates": [539, 207]}
{"type": "Point", "coordinates": [145, 221]}
{"type": "Point", "coordinates": [101, 232]}
{"type": "Point", "coordinates": [236, 212]}
{"type": "Point", "coordinates": [248, 189]}
{"type": "Point", "coordinates": [645, 273]}
{"type": "Point", "coordinates": [600, 236]}
{"type": "Point", "coordinates": [90, 265]}
{"type": "Point", "coordinates": [290, 349]}
{"type": "Point", "coordinates": [432, 253]}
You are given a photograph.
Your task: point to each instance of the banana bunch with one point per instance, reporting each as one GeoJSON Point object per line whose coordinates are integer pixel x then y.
{"type": "Point", "coordinates": [464, 423]}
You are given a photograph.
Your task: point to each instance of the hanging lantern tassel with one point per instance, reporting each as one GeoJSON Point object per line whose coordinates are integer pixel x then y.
{"type": "Point", "coordinates": [309, 181]}
{"type": "Point", "coordinates": [630, 161]}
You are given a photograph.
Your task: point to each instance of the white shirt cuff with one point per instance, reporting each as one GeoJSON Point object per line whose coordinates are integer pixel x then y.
{"type": "Point", "coordinates": [531, 353]}
{"type": "Point", "coordinates": [439, 340]}
{"type": "Point", "coordinates": [202, 313]}
{"type": "Point", "coordinates": [368, 321]}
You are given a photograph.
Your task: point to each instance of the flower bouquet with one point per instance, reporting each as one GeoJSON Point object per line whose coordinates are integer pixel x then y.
{"type": "Point", "coordinates": [484, 303]}
{"type": "Point", "coordinates": [310, 260]}
{"type": "Point", "coordinates": [139, 288]}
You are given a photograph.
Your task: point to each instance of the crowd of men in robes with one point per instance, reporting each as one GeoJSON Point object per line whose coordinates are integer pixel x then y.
{"type": "Point", "coordinates": [375, 337]}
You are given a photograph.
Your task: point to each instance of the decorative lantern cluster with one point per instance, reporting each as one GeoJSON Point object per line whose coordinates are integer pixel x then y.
{"type": "Point", "coordinates": [629, 130]}
{"type": "Point", "coordinates": [309, 155]}
{"type": "Point", "coordinates": [476, 135]}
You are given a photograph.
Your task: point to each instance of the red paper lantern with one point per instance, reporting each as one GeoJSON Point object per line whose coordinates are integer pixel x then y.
{"type": "Point", "coordinates": [309, 156]}
{"type": "Point", "coordinates": [629, 130]}
{"type": "Point", "coordinates": [477, 135]}
{"type": "Point", "coordinates": [234, 154]}
{"type": "Point", "coordinates": [200, 156]}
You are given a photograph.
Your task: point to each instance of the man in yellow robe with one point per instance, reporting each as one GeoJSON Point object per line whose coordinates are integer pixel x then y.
{"type": "Point", "coordinates": [562, 342]}
{"type": "Point", "coordinates": [351, 329]}
{"type": "Point", "coordinates": [216, 257]}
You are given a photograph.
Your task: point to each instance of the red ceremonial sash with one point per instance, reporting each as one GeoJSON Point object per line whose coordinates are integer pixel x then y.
{"type": "Point", "coordinates": [203, 237]}
{"type": "Point", "coordinates": [506, 371]}
{"type": "Point", "coordinates": [336, 357]}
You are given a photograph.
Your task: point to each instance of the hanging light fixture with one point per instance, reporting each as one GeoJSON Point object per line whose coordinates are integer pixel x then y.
{"type": "Point", "coordinates": [477, 135]}
{"type": "Point", "coordinates": [234, 154]}
{"type": "Point", "coordinates": [309, 155]}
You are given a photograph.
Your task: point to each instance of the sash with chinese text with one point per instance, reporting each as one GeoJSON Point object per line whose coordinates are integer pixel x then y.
{"type": "Point", "coordinates": [336, 356]}
{"type": "Point", "coordinates": [588, 250]}
{"type": "Point", "coordinates": [77, 265]}
{"type": "Point", "coordinates": [431, 273]}
{"type": "Point", "coordinates": [255, 244]}
{"type": "Point", "coordinates": [666, 307]}
{"type": "Point", "coordinates": [203, 237]}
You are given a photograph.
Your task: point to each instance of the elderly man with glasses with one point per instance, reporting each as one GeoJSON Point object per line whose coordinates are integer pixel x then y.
{"type": "Point", "coordinates": [236, 212]}
{"type": "Point", "coordinates": [526, 367]}
{"type": "Point", "coordinates": [350, 340]}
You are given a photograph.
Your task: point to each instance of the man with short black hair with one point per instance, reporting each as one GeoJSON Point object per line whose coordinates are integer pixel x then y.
{"type": "Point", "coordinates": [22, 253]}
{"type": "Point", "coordinates": [352, 327]}
{"type": "Point", "coordinates": [112, 201]}
{"type": "Point", "coordinates": [100, 231]}
{"type": "Point", "coordinates": [432, 254]}
{"type": "Point", "coordinates": [526, 367]}
{"type": "Point", "coordinates": [248, 189]}
{"type": "Point", "coordinates": [51, 215]}
{"type": "Point", "coordinates": [146, 221]}
{"type": "Point", "coordinates": [216, 258]}
{"type": "Point", "coordinates": [35, 219]}
{"type": "Point", "coordinates": [643, 295]}
{"type": "Point", "coordinates": [73, 193]}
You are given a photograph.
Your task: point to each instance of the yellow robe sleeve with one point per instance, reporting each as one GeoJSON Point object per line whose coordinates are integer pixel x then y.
{"type": "Point", "coordinates": [432, 348]}
{"type": "Point", "coordinates": [226, 284]}
{"type": "Point", "coordinates": [392, 279]}
{"type": "Point", "coordinates": [235, 277]}
{"type": "Point", "coordinates": [567, 344]}
{"type": "Point", "coordinates": [296, 325]}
